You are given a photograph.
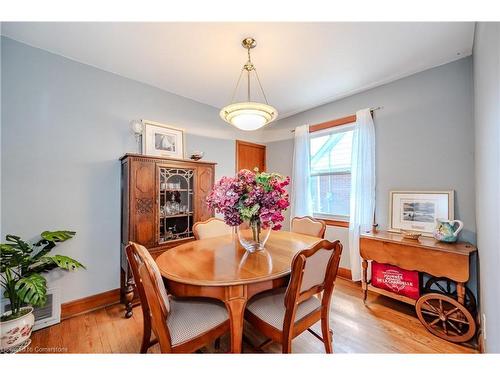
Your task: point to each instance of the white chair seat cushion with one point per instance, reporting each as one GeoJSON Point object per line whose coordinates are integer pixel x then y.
{"type": "Point", "coordinates": [270, 307]}
{"type": "Point", "coordinates": [189, 318]}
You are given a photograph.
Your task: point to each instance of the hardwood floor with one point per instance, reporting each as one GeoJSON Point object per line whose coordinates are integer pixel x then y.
{"type": "Point", "coordinates": [382, 326]}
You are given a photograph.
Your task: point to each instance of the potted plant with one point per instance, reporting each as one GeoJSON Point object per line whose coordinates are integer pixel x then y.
{"type": "Point", "coordinates": [21, 268]}
{"type": "Point", "coordinates": [253, 202]}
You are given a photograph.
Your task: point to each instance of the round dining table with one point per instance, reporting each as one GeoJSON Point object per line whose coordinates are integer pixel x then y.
{"type": "Point", "coordinates": [220, 268]}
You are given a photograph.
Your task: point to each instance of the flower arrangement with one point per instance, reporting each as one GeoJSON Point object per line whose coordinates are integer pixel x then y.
{"type": "Point", "coordinates": [252, 197]}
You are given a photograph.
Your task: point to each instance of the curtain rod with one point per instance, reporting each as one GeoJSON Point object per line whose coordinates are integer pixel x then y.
{"type": "Point", "coordinates": [371, 110]}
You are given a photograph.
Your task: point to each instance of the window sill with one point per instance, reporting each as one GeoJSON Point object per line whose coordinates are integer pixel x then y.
{"type": "Point", "coordinates": [335, 221]}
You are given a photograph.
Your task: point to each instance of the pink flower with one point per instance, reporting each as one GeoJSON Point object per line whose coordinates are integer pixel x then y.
{"type": "Point", "coordinates": [283, 203]}
{"type": "Point", "coordinates": [251, 196]}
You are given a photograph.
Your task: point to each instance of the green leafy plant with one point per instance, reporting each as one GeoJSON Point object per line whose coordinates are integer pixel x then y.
{"type": "Point", "coordinates": [21, 266]}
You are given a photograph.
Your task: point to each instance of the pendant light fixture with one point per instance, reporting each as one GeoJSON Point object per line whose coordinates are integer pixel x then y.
{"type": "Point", "coordinates": [248, 115]}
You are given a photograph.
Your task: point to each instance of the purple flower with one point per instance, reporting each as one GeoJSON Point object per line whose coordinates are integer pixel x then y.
{"type": "Point", "coordinates": [251, 196]}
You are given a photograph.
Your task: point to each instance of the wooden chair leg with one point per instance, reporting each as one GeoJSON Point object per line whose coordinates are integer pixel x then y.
{"type": "Point", "coordinates": [146, 336]}
{"type": "Point", "coordinates": [287, 346]}
{"type": "Point", "coordinates": [286, 343]}
{"type": "Point", "coordinates": [327, 334]}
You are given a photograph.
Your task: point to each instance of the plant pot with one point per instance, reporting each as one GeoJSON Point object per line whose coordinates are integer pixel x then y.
{"type": "Point", "coordinates": [252, 237]}
{"type": "Point", "coordinates": [16, 331]}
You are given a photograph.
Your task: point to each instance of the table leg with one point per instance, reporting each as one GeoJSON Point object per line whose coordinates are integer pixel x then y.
{"type": "Point", "coordinates": [365, 279]}
{"type": "Point", "coordinates": [236, 309]}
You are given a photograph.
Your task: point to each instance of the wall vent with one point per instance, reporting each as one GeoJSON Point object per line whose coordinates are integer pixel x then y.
{"type": "Point", "coordinates": [46, 315]}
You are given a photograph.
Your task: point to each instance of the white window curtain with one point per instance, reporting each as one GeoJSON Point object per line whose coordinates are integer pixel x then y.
{"type": "Point", "coordinates": [301, 202]}
{"type": "Point", "coordinates": [362, 206]}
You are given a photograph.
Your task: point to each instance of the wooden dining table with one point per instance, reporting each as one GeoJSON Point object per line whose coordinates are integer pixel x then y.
{"type": "Point", "coordinates": [221, 268]}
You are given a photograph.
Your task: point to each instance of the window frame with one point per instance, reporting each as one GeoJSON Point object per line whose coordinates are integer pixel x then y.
{"type": "Point", "coordinates": [332, 219]}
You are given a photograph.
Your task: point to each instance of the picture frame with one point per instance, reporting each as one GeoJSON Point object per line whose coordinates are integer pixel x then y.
{"type": "Point", "coordinates": [417, 211]}
{"type": "Point", "coordinates": [162, 140]}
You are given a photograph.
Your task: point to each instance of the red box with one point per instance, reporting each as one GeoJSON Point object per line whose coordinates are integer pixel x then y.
{"type": "Point", "coordinates": [396, 280]}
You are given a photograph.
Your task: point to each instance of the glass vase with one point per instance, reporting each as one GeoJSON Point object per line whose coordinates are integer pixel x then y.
{"type": "Point", "coordinates": [252, 236]}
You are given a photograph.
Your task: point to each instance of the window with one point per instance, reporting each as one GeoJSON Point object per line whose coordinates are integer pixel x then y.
{"type": "Point", "coordinates": [331, 172]}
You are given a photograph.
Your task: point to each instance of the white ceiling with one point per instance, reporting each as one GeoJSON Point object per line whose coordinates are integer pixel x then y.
{"type": "Point", "coordinates": [301, 65]}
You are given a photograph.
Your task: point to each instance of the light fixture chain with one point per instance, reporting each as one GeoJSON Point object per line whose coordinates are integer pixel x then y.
{"type": "Point", "coordinates": [260, 85]}
{"type": "Point", "coordinates": [237, 84]}
{"type": "Point", "coordinates": [248, 85]}
{"type": "Point", "coordinates": [248, 66]}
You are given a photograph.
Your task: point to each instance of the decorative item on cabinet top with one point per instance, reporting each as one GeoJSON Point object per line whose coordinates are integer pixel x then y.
{"type": "Point", "coordinates": [446, 230]}
{"type": "Point", "coordinates": [409, 235]}
{"type": "Point", "coordinates": [196, 155]}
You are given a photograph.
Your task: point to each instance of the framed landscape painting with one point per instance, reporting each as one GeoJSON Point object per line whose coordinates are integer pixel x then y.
{"type": "Point", "coordinates": [417, 211]}
{"type": "Point", "coordinates": [162, 140]}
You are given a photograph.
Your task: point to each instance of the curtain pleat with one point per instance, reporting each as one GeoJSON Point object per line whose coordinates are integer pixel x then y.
{"type": "Point", "coordinates": [362, 204]}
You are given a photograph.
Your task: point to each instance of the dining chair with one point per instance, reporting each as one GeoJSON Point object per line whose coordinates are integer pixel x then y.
{"type": "Point", "coordinates": [283, 314]}
{"type": "Point", "coordinates": [212, 227]}
{"type": "Point", "coordinates": [309, 226]}
{"type": "Point", "coordinates": [180, 325]}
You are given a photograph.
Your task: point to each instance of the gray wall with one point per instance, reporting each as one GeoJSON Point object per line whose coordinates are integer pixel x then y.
{"type": "Point", "coordinates": [64, 126]}
{"type": "Point", "coordinates": [486, 57]}
{"type": "Point", "coordinates": [424, 136]}
{"type": "Point", "coordinates": [221, 151]}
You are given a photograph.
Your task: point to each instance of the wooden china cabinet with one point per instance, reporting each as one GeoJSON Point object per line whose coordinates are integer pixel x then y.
{"type": "Point", "coordinates": [161, 199]}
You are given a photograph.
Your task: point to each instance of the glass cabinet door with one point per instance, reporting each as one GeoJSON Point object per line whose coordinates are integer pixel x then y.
{"type": "Point", "coordinates": [176, 204]}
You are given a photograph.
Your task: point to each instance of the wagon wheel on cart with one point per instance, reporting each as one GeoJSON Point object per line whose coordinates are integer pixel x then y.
{"type": "Point", "coordinates": [445, 317]}
{"type": "Point", "coordinates": [449, 287]}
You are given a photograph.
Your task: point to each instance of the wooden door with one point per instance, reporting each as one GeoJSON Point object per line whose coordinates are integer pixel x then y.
{"type": "Point", "coordinates": [250, 155]}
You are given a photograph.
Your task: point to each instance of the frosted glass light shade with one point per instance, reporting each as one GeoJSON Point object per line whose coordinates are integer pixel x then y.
{"type": "Point", "coordinates": [248, 121]}
{"type": "Point", "coordinates": [136, 126]}
{"type": "Point", "coordinates": [248, 115]}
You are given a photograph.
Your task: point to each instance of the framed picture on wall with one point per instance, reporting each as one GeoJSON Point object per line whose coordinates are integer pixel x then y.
{"type": "Point", "coordinates": [417, 211]}
{"type": "Point", "coordinates": [162, 140]}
